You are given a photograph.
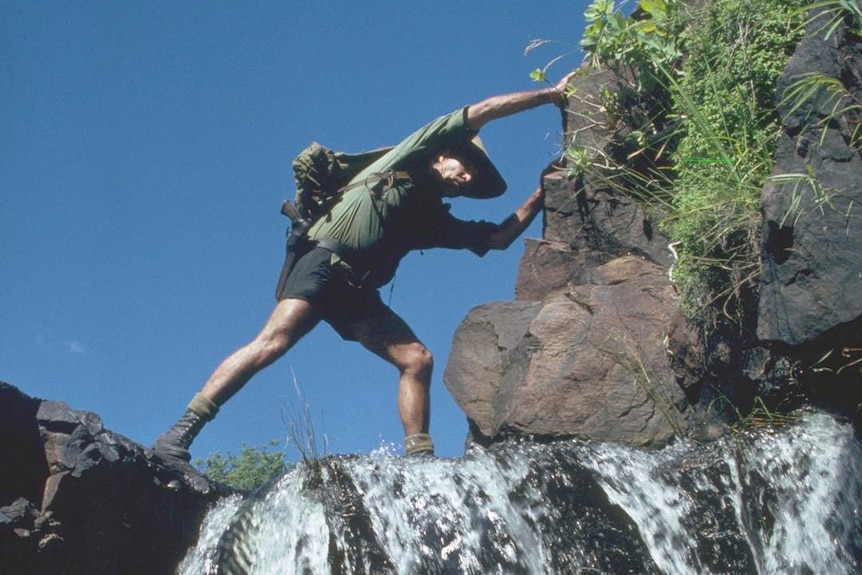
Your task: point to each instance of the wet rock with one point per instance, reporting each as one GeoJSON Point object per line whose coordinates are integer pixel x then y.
{"type": "Point", "coordinates": [82, 499]}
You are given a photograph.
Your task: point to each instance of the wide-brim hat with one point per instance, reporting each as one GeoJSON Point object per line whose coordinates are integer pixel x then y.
{"type": "Point", "coordinates": [487, 181]}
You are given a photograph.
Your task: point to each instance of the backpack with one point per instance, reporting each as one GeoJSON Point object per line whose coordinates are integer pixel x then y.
{"type": "Point", "coordinates": [322, 176]}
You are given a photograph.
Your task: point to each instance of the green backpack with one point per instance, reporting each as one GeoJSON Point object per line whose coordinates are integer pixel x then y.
{"type": "Point", "coordinates": [322, 176]}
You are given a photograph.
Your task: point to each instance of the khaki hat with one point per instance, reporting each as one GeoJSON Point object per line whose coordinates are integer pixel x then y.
{"type": "Point", "coordinates": [487, 181]}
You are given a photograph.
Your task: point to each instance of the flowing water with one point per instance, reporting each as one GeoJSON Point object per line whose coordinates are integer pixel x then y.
{"type": "Point", "coordinates": [774, 501]}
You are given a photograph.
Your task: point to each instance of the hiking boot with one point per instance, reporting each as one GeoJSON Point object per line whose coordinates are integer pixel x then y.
{"type": "Point", "coordinates": [175, 442]}
{"type": "Point", "coordinates": [418, 445]}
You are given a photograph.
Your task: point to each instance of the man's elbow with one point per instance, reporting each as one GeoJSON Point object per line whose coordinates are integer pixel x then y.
{"type": "Point", "coordinates": [477, 115]}
{"type": "Point", "coordinates": [500, 241]}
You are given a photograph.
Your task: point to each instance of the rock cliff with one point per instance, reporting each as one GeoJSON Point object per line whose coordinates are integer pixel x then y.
{"type": "Point", "coordinates": [77, 498]}
{"type": "Point", "coordinates": [594, 345]}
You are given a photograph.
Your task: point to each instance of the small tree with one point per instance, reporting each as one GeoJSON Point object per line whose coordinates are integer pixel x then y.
{"type": "Point", "coordinates": [253, 467]}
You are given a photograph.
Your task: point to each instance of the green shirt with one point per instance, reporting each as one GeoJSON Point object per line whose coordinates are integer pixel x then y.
{"type": "Point", "coordinates": [380, 223]}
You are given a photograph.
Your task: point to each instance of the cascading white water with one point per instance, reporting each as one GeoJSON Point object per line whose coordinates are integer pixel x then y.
{"type": "Point", "coordinates": [809, 474]}
{"type": "Point", "coordinates": [769, 502]}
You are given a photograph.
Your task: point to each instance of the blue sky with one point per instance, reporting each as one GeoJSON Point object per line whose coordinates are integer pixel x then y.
{"type": "Point", "coordinates": [145, 150]}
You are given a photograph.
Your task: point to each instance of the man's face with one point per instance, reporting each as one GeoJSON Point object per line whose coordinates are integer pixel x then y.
{"type": "Point", "coordinates": [456, 177]}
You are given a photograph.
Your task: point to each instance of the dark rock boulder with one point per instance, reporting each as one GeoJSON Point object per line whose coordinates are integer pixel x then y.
{"type": "Point", "coordinates": [582, 352]}
{"type": "Point", "coordinates": [810, 307]}
{"type": "Point", "coordinates": [25, 469]}
{"type": "Point", "coordinates": [594, 212]}
{"type": "Point", "coordinates": [77, 498]}
{"type": "Point", "coordinates": [812, 251]}
{"type": "Point", "coordinates": [587, 361]}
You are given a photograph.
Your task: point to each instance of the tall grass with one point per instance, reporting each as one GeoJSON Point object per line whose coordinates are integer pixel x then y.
{"type": "Point", "coordinates": [697, 103]}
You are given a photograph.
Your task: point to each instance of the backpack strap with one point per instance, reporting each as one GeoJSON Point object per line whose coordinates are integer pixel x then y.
{"type": "Point", "coordinates": [392, 176]}
{"type": "Point", "coordinates": [290, 210]}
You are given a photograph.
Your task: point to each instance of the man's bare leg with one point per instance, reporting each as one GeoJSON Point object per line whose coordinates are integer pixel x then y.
{"type": "Point", "coordinates": [289, 321]}
{"type": "Point", "coordinates": [389, 337]}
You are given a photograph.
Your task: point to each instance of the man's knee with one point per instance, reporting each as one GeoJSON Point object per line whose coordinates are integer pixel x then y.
{"type": "Point", "coordinates": [290, 320]}
{"type": "Point", "coordinates": [418, 359]}
{"type": "Point", "coordinates": [273, 345]}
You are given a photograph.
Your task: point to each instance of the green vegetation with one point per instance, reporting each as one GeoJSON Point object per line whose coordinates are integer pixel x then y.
{"type": "Point", "coordinates": [641, 48]}
{"type": "Point", "coordinates": [253, 467]}
{"type": "Point", "coordinates": [843, 106]}
{"type": "Point", "coordinates": [725, 92]}
{"type": "Point", "coordinates": [760, 416]}
{"type": "Point", "coordinates": [695, 127]}
{"type": "Point", "coordinates": [835, 12]}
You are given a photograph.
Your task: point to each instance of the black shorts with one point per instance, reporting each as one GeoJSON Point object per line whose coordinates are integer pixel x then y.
{"type": "Point", "coordinates": [326, 285]}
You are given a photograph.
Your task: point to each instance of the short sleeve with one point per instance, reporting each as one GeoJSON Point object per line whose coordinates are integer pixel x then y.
{"type": "Point", "coordinates": [418, 148]}
{"type": "Point", "coordinates": [447, 231]}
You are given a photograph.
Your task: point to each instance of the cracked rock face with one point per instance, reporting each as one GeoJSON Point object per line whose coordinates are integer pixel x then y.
{"type": "Point", "coordinates": [588, 360]}
{"type": "Point", "coordinates": [812, 267]}
{"type": "Point", "coordinates": [594, 344]}
{"type": "Point", "coordinates": [78, 498]}
{"type": "Point", "coordinates": [582, 351]}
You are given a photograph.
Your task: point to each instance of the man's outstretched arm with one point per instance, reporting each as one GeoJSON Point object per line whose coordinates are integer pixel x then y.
{"type": "Point", "coordinates": [507, 104]}
{"type": "Point", "coordinates": [514, 225]}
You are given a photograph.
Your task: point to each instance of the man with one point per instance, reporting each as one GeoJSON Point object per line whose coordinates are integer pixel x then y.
{"type": "Point", "coordinates": [357, 248]}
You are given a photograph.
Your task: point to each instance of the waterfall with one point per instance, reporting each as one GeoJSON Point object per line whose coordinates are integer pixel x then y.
{"type": "Point", "coordinates": [776, 500]}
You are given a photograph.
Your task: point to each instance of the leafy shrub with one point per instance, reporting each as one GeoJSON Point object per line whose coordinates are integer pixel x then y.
{"type": "Point", "coordinates": [736, 51]}
{"type": "Point", "coordinates": [697, 99]}
{"type": "Point", "coordinates": [253, 467]}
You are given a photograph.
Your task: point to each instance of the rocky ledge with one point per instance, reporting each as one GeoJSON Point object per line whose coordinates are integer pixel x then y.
{"type": "Point", "coordinates": [77, 498]}
{"type": "Point", "coordinates": [594, 344]}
